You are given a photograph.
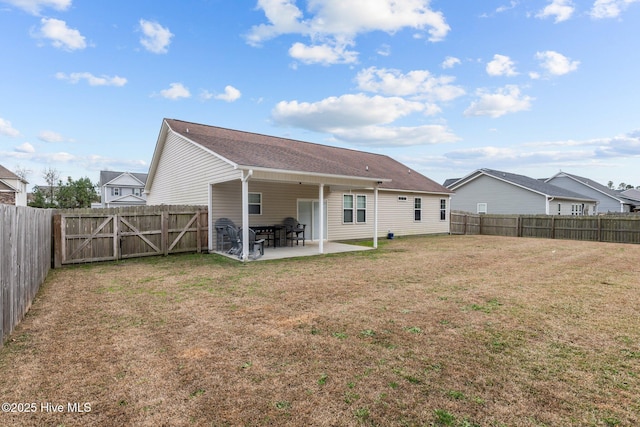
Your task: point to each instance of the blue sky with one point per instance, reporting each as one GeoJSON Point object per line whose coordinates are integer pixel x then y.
{"type": "Point", "coordinates": [446, 87]}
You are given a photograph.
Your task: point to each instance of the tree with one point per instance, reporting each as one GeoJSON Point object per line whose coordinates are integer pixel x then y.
{"type": "Point", "coordinates": [610, 185]}
{"type": "Point", "coordinates": [76, 194]}
{"type": "Point", "coordinates": [51, 177]}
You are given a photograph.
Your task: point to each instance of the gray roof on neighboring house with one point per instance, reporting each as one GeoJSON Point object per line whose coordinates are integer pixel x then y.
{"type": "Point", "coordinates": [255, 150]}
{"type": "Point", "coordinates": [108, 176]}
{"type": "Point", "coordinates": [526, 182]}
{"type": "Point", "coordinates": [631, 194]}
{"type": "Point", "coordinates": [590, 183]}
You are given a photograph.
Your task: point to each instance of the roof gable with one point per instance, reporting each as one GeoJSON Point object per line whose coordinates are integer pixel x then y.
{"type": "Point", "coordinates": [7, 174]}
{"type": "Point", "coordinates": [247, 150]}
{"type": "Point", "coordinates": [122, 178]}
{"type": "Point", "coordinates": [588, 183]}
{"type": "Point", "coordinates": [522, 181]}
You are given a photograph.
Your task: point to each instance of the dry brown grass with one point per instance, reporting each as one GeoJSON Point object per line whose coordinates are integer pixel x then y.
{"type": "Point", "coordinates": [460, 331]}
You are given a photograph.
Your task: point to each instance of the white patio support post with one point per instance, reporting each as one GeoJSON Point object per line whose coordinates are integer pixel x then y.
{"type": "Point", "coordinates": [321, 218]}
{"type": "Point", "coordinates": [210, 218]}
{"type": "Point", "coordinates": [245, 215]}
{"type": "Point", "coordinates": [375, 217]}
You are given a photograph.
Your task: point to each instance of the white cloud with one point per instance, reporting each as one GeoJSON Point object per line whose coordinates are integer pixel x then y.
{"type": "Point", "coordinates": [555, 63]}
{"type": "Point", "coordinates": [343, 112]}
{"type": "Point", "coordinates": [230, 94]}
{"type": "Point", "coordinates": [561, 9]}
{"type": "Point", "coordinates": [397, 136]}
{"type": "Point", "coordinates": [384, 50]}
{"type": "Point", "coordinates": [417, 83]}
{"type": "Point", "coordinates": [361, 119]}
{"type": "Point", "coordinates": [609, 8]}
{"type": "Point", "coordinates": [501, 66]}
{"type": "Point", "coordinates": [92, 80]}
{"type": "Point", "coordinates": [7, 129]}
{"type": "Point", "coordinates": [25, 148]}
{"type": "Point", "coordinates": [324, 54]}
{"type": "Point", "coordinates": [450, 62]}
{"type": "Point", "coordinates": [175, 91]}
{"type": "Point", "coordinates": [505, 100]}
{"type": "Point", "coordinates": [51, 136]}
{"type": "Point", "coordinates": [60, 35]}
{"type": "Point", "coordinates": [333, 25]}
{"type": "Point", "coordinates": [156, 38]}
{"type": "Point", "coordinates": [35, 6]}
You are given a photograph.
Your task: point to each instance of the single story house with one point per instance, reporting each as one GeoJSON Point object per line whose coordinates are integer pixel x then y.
{"type": "Point", "coordinates": [609, 200]}
{"type": "Point", "coordinates": [122, 189]}
{"type": "Point", "coordinates": [13, 189]}
{"type": "Point", "coordinates": [254, 180]}
{"type": "Point", "coordinates": [488, 191]}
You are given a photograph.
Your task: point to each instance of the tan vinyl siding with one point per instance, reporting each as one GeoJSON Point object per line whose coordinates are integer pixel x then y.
{"type": "Point", "coordinates": [393, 215]}
{"type": "Point", "coordinates": [184, 171]}
{"type": "Point", "coordinates": [278, 201]}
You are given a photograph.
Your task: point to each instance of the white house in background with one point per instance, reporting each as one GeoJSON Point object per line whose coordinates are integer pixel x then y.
{"type": "Point", "coordinates": [632, 195]}
{"type": "Point", "coordinates": [488, 191]}
{"type": "Point", "coordinates": [258, 180]}
{"type": "Point", "coordinates": [13, 189]}
{"type": "Point", "coordinates": [608, 200]}
{"type": "Point", "coordinates": [122, 189]}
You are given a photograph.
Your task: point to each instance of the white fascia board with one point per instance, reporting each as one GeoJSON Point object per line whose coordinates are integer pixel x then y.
{"type": "Point", "coordinates": [312, 174]}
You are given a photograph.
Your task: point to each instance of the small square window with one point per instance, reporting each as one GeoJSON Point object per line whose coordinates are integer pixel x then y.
{"type": "Point", "coordinates": [255, 203]}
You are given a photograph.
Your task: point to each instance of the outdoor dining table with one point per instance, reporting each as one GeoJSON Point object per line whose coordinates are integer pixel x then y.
{"type": "Point", "coordinates": [273, 232]}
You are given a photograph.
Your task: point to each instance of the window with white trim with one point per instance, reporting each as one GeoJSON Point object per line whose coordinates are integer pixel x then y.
{"type": "Point", "coordinates": [559, 208]}
{"type": "Point", "coordinates": [443, 209]}
{"type": "Point", "coordinates": [417, 209]}
{"type": "Point", "coordinates": [255, 203]}
{"type": "Point", "coordinates": [347, 208]}
{"type": "Point", "coordinates": [576, 209]}
{"type": "Point", "coordinates": [354, 210]}
{"type": "Point", "coordinates": [136, 191]}
{"type": "Point", "coordinates": [482, 208]}
{"type": "Point", "coordinates": [115, 191]}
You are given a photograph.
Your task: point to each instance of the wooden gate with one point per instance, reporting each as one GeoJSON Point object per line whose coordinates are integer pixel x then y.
{"type": "Point", "coordinates": [105, 236]}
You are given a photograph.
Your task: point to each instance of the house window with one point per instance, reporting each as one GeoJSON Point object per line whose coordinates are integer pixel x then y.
{"type": "Point", "coordinates": [361, 209]}
{"type": "Point", "coordinates": [255, 203]}
{"type": "Point", "coordinates": [351, 211]}
{"type": "Point", "coordinates": [417, 209]}
{"type": "Point", "coordinates": [559, 208]}
{"type": "Point", "coordinates": [576, 209]}
{"type": "Point", "coordinates": [482, 208]}
{"type": "Point", "coordinates": [136, 191]}
{"type": "Point", "coordinates": [347, 208]}
{"type": "Point", "coordinates": [115, 191]}
{"type": "Point", "coordinates": [443, 209]}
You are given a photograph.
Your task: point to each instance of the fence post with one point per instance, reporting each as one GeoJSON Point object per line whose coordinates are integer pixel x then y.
{"type": "Point", "coordinates": [164, 239]}
{"type": "Point", "coordinates": [57, 241]}
{"type": "Point", "coordinates": [553, 227]}
{"type": "Point", "coordinates": [199, 231]}
{"type": "Point", "coordinates": [599, 229]}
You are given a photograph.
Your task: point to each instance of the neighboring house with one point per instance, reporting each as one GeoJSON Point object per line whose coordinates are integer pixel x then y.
{"type": "Point", "coordinates": [13, 189]}
{"type": "Point", "coordinates": [608, 200]}
{"type": "Point", "coordinates": [490, 191]}
{"type": "Point", "coordinates": [255, 179]}
{"type": "Point", "coordinates": [633, 197]}
{"type": "Point", "coordinates": [122, 189]}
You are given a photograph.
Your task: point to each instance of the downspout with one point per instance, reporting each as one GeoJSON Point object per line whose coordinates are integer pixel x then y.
{"type": "Point", "coordinates": [549, 199]}
{"type": "Point", "coordinates": [245, 214]}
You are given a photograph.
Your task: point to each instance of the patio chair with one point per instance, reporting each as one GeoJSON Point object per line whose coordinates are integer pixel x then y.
{"type": "Point", "coordinates": [222, 237]}
{"type": "Point", "coordinates": [256, 247]}
{"type": "Point", "coordinates": [294, 231]}
{"type": "Point", "coordinates": [236, 242]}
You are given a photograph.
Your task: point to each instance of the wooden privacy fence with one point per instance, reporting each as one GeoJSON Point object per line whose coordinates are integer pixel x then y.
{"type": "Point", "coordinates": [25, 259]}
{"type": "Point", "coordinates": [601, 228]}
{"type": "Point", "coordinates": [91, 235]}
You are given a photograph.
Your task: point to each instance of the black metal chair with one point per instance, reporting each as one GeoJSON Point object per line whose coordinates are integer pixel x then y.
{"type": "Point", "coordinates": [294, 231]}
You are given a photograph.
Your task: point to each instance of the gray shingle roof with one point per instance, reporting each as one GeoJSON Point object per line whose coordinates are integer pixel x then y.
{"type": "Point", "coordinates": [107, 176]}
{"type": "Point", "coordinates": [532, 184]}
{"type": "Point", "coordinates": [256, 150]}
{"type": "Point", "coordinates": [599, 187]}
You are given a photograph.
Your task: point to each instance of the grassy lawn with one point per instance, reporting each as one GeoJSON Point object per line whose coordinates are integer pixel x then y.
{"type": "Point", "coordinates": [434, 331]}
